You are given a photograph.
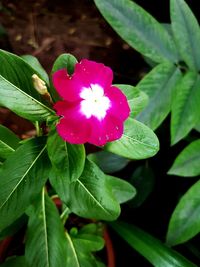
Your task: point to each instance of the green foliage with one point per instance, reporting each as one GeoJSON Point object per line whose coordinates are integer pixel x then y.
{"type": "Point", "coordinates": [186, 33]}
{"type": "Point", "coordinates": [8, 142]}
{"type": "Point", "coordinates": [45, 241]}
{"type": "Point", "coordinates": [67, 160]}
{"type": "Point", "coordinates": [108, 162]}
{"type": "Point", "coordinates": [159, 84]}
{"type": "Point", "coordinates": [185, 106]}
{"type": "Point", "coordinates": [25, 170]}
{"type": "Point", "coordinates": [185, 220]}
{"type": "Point", "coordinates": [188, 161]}
{"type": "Point", "coordinates": [19, 261]}
{"type": "Point", "coordinates": [139, 29]}
{"type": "Point", "coordinates": [137, 99]}
{"type": "Point", "coordinates": [158, 254]}
{"type": "Point", "coordinates": [137, 142]}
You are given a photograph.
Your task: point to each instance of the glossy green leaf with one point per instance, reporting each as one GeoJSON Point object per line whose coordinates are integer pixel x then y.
{"type": "Point", "coordinates": [35, 64]}
{"type": "Point", "coordinates": [90, 196]}
{"type": "Point", "coordinates": [67, 159]}
{"type": "Point", "coordinates": [21, 103]}
{"type": "Point", "coordinates": [137, 142]}
{"type": "Point", "coordinates": [143, 181]}
{"type": "Point", "coordinates": [46, 244]}
{"type": "Point", "coordinates": [187, 164]}
{"type": "Point", "coordinates": [8, 142]}
{"type": "Point", "coordinates": [108, 162]}
{"type": "Point", "coordinates": [185, 220]}
{"type": "Point", "coordinates": [66, 61]}
{"type": "Point", "coordinates": [21, 178]}
{"type": "Point", "coordinates": [158, 254]}
{"type": "Point", "coordinates": [158, 84]}
{"type": "Point", "coordinates": [80, 247]}
{"type": "Point", "coordinates": [18, 261]}
{"type": "Point", "coordinates": [185, 106]}
{"type": "Point", "coordinates": [139, 29]}
{"type": "Point", "coordinates": [137, 99]}
{"type": "Point", "coordinates": [122, 190]}
{"type": "Point", "coordinates": [186, 33]}
{"type": "Point", "coordinates": [16, 89]}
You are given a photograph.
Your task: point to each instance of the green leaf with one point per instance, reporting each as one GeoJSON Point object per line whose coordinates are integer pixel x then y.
{"type": "Point", "coordinates": [185, 106]}
{"type": "Point", "coordinates": [8, 142]}
{"type": "Point", "coordinates": [16, 89]}
{"type": "Point", "coordinates": [18, 261]}
{"type": "Point", "coordinates": [137, 99]}
{"type": "Point", "coordinates": [21, 103]}
{"type": "Point", "coordinates": [185, 220]}
{"type": "Point", "coordinates": [108, 162]}
{"type": "Point", "coordinates": [122, 190]}
{"type": "Point", "coordinates": [90, 196]}
{"type": "Point", "coordinates": [66, 61]}
{"type": "Point", "coordinates": [19, 73]}
{"type": "Point", "coordinates": [187, 164]}
{"type": "Point", "coordinates": [45, 241]}
{"type": "Point", "coordinates": [67, 159]}
{"type": "Point", "coordinates": [143, 180]}
{"type": "Point", "coordinates": [158, 254]}
{"type": "Point", "coordinates": [80, 247]}
{"type": "Point", "coordinates": [22, 176]}
{"type": "Point", "coordinates": [137, 142]}
{"type": "Point", "coordinates": [186, 33]}
{"type": "Point", "coordinates": [158, 85]}
{"type": "Point", "coordinates": [139, 29]}
{"type": "Point", "coordinates": [35, 64]}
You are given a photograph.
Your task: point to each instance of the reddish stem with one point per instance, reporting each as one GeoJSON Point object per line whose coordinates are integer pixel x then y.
{"type": "Point", "coordinates": [109, 249]}
{"type": "Point", "coordinates": [4, 246]}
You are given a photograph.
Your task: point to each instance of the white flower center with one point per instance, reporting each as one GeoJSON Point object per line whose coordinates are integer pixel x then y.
{"type": "Point", "coordinates": [94, 102]}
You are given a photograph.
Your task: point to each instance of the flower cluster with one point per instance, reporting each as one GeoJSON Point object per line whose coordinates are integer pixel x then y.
{"type": "Point", "coordinates": [92, 109]}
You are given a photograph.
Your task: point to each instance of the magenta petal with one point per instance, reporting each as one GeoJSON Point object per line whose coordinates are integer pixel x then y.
{"type": "Point", "coordinates": [104, 131]}
{"type": "Point", "coordinates": [94, 73]}
{"type": "Point", "coordinates": [73, 127]}
{"type": "Point", "coordinates": [119, 103]}
{"type": "Point", "coordinates": [66, 86]}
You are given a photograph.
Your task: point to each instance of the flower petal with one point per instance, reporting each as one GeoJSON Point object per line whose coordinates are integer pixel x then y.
{"type": "Point", "coordinates": [119, 103]}
{"type": "Point", "coordinates": [91, 72]}
{"type": "Point", "coordinates": [67, 86]}
{"type": "Point", "coordinates": [104, 131]}
{"type": "Point", "coordinates": [73, 127]}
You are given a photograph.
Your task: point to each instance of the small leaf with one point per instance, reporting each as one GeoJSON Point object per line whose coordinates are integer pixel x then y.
{"type": "Point", "coordinates": [90, 196]}
{"type": "Point", "coordinates": [22, 176]}
{"type": "Point", "coordinates": [185, 220]}
{"type": "Point", "coordinates": [139, 29]}
{"type": "Point", "coordinates": [137, 99]}
{"type": "Point", "coordinates": [137, 142]}
{"type": "Point", "coordinates": [108, 162]}
{"type": "Point", "coordinates": [185, 106]}
{"type": "Point", "coordinates": [187, 164]}
{"type": "Point", "coordinates": [158, 254]}
{"type": "Point", "coordinates": [186, 33]}
{"type": "Point", "coordinates": [159, 85]}
{"type": "Point", "coordinates": [122, 190]}
{"type": "Point", "coordinates": [66, 61]}
{"type": "Point", "coordinates": [80, 248]}
{"type": "Point", "coordinates": [8, 142]}
{"type": "Point", "coordinates": [18, 261]}
{"type": "Point", "coordinates": [45, 241]}
{"type": "Point", "coordinates": [35, 64]}
{"type": "Point", "coordinates": [143, 180]}
{"type": "Point", "coordinates": [67, 159]}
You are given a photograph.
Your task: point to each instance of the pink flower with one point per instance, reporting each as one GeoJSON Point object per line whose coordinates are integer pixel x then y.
{"type": "Point", "coordinates": [92, 109]}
